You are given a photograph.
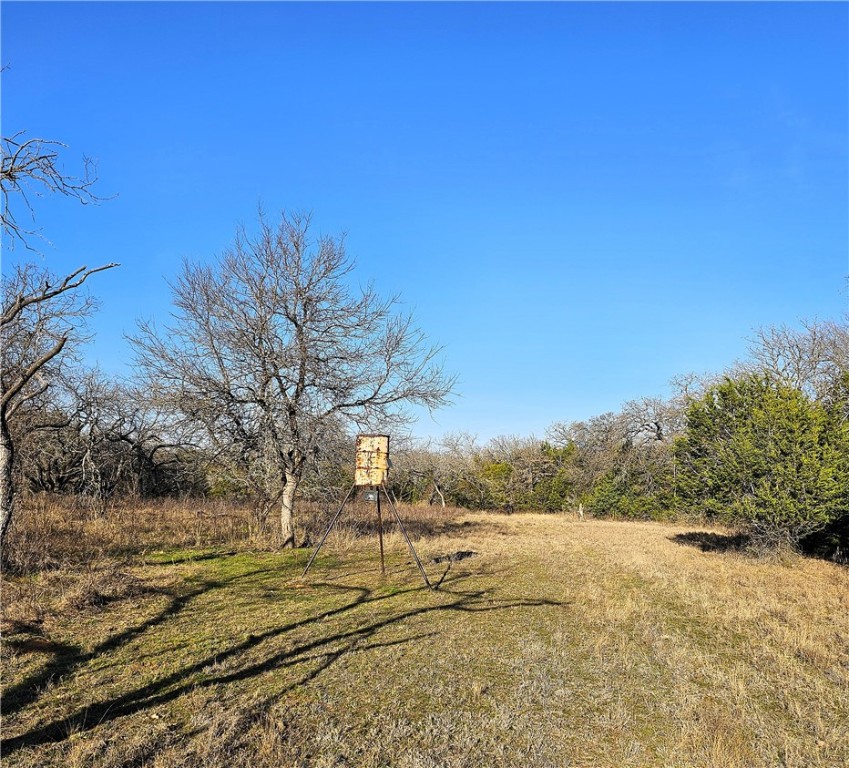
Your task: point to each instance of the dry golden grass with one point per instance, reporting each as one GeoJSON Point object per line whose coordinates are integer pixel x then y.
{"type": "Point", "coordinates": [561, 643]}
{"type": "Point", "coordinates": [52, 532]}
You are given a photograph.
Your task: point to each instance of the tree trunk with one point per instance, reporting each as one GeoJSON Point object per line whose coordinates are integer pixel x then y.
{"type": "Point", "coordinates": [287, 509]}
{"type": "Point", "coordinates": [436, 492]}
{"type": "Point", "coordinates": [7, 455]}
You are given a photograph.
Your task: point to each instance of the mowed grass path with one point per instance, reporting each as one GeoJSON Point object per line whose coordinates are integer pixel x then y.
{"type": "Point", "coordinates": [562, 643]}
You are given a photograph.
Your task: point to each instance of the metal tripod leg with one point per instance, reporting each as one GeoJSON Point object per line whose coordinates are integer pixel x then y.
{"type": "Point", "coordinates": [404, 531]}
{"type": "Point", "coordinates": [380, 536]}
{"type": "Point", "coordinates": [329, 528]}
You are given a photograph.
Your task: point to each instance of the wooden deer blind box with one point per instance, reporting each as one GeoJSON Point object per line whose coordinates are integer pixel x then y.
{"type": "Point", "coordinates": [370, 473]}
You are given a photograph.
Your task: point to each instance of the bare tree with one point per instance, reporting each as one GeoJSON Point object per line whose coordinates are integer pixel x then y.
{"type": "Point", "coordinates": [691, 386]}
{"type": "Point", "coordinates": [598, 443]}
{"type": "Point", "coordinates": [269, 345]}
{"type": "Point", "coordinates": [653, 419]}
{"type": "Point", "coordinates": [41, 314]}
{"type": "Point", "coordinates": [811, 358]}
{"type": "Point", "coordinates": [420, 472]}
{"type": "Point", "coordinates": [96, 437]}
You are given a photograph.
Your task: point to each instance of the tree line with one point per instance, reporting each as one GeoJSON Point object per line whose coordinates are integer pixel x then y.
{"type": "Point", "coordinates": [762, 447]}
{"type": "Point", "coordinates": [273, 360]}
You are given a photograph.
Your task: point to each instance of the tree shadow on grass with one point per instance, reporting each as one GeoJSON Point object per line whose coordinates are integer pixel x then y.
{"type": "Point", "coordinates": [707, 541]}
{"type": "Point", "coordinates": [187, 555]}
{"type": "Point", "coordinates": [67, 657]}
{"type": "Point", "coordinates": [256, 654]}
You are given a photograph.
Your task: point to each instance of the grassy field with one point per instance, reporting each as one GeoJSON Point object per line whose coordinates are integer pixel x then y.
{"type": "Point", "coordinates": [560, 643]}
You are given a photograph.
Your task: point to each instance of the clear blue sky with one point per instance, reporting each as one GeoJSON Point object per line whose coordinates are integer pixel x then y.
{"type": "Point", "coordinates": [578, 200]}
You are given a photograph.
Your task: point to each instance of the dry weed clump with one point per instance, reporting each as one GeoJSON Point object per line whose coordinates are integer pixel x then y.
{"type": "Point", "coordinates": [97, 585]}
{"type": "Point", "coordinates": [31, 605]}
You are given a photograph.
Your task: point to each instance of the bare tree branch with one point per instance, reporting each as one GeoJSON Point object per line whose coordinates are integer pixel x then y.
{"type": "Point", "coordinates": [31, 167]}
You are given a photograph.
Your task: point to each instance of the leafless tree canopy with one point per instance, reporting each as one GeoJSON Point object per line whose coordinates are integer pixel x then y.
{"type": "Point", "coordinates": [30, 167]}
{"type": "Point", "coordinates": [98, 439]}
{"type": "Point", "coordinates": [811, 358]}
{"type": "Point", "coordinates": [269, 346]}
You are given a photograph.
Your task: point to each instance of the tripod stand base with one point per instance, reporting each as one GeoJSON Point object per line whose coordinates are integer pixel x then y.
{"type": "Point", "coordinates": [335, 519]}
